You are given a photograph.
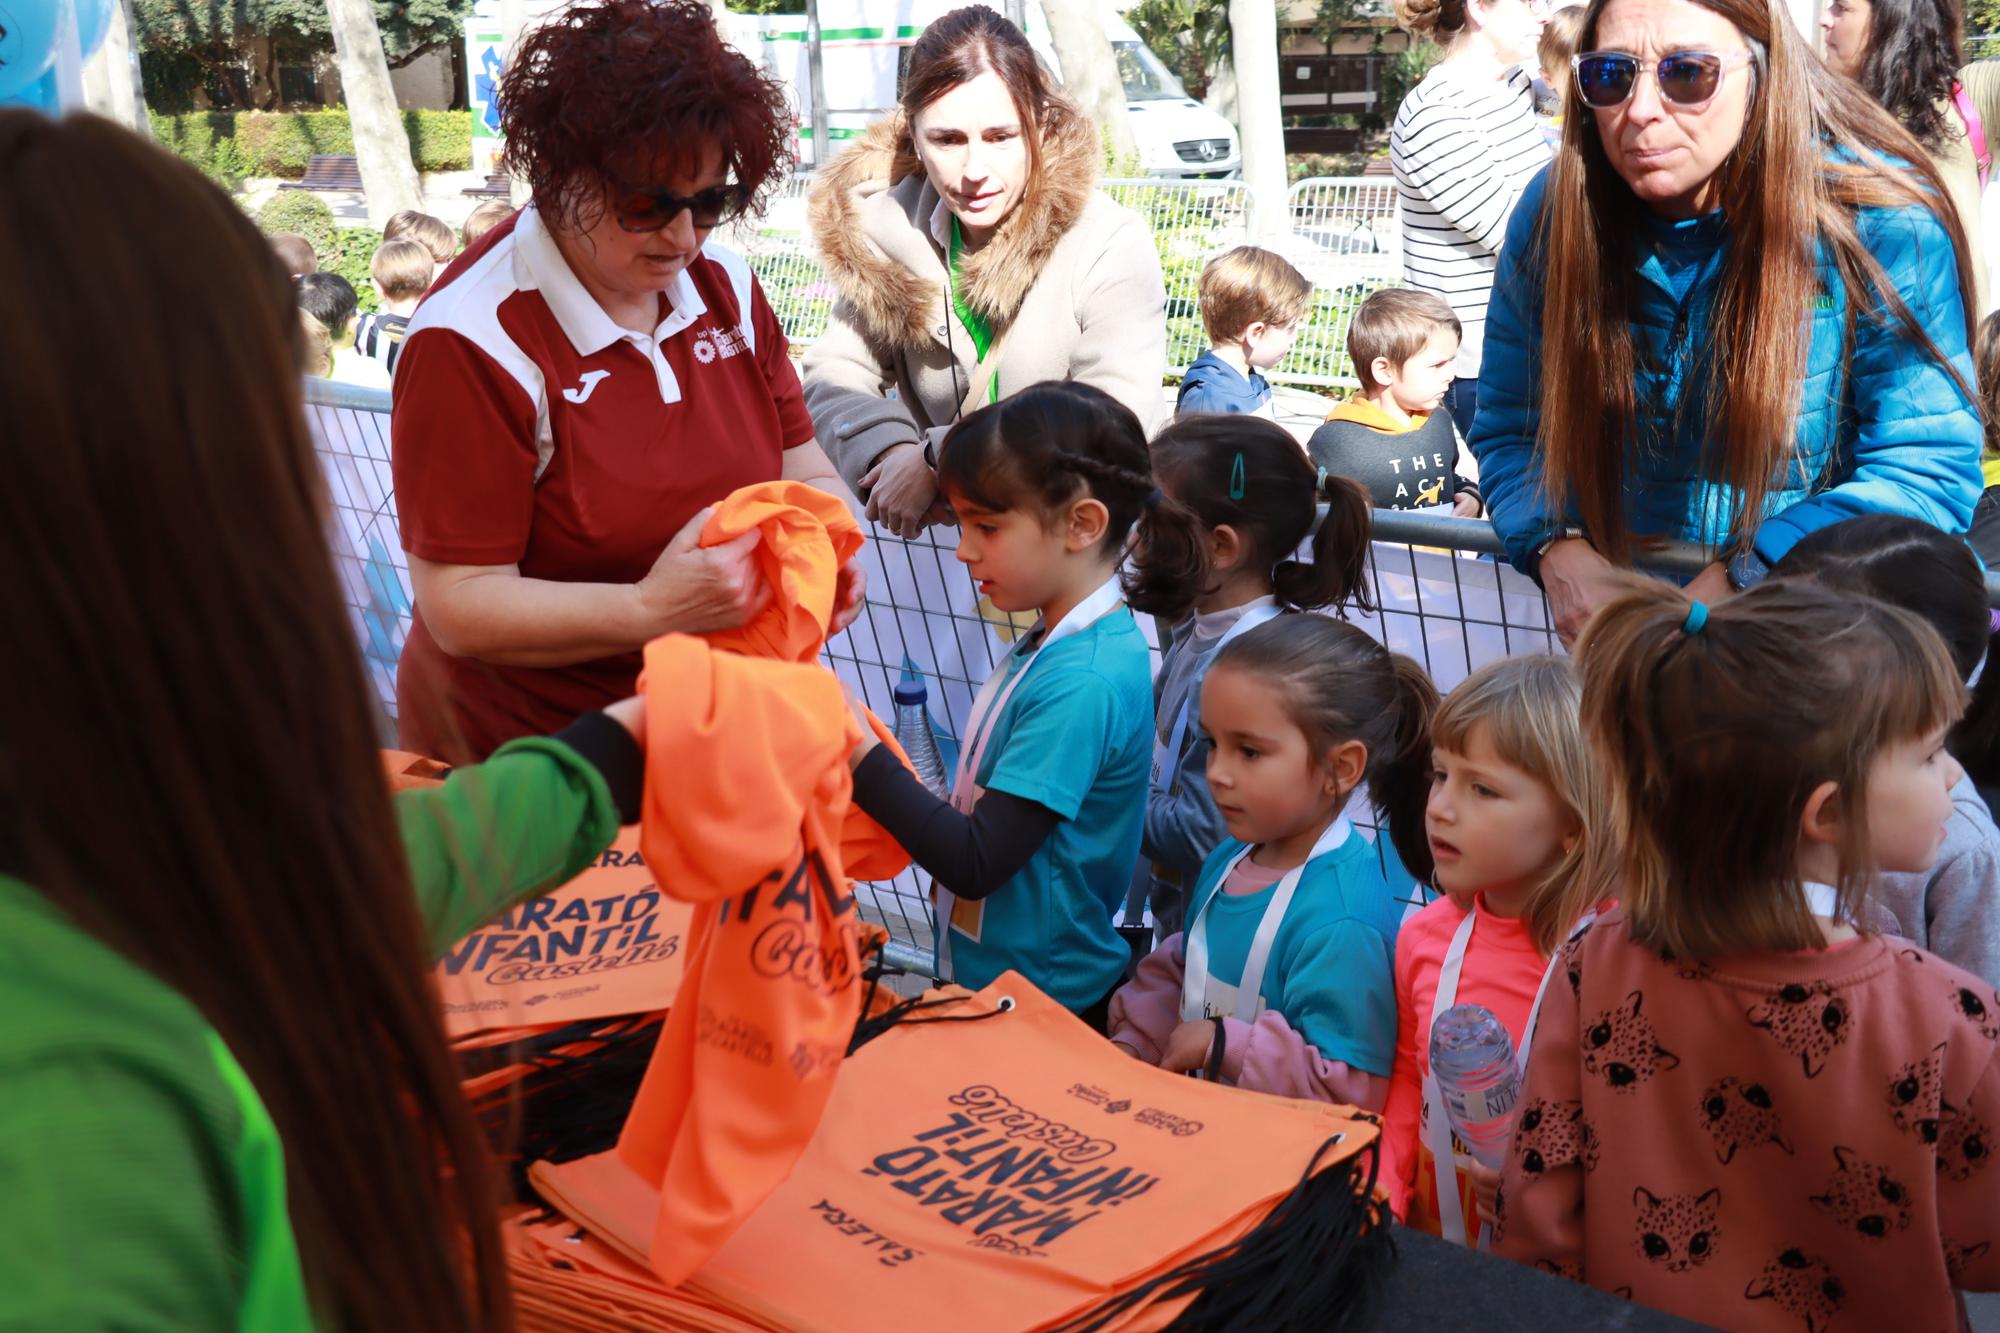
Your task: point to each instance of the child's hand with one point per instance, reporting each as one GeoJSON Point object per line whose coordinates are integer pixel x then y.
{"type": "Point", "coordinates": [868, 740]}
{"type": "Point", "coordinates": [1129, 1049]}
{"type": "Point", "coordinates": [1485, 1189]}
{"type": "Point", "coordinates": [1465, 505]}
{"type": "Point", "coordinates": [1188, 1047]}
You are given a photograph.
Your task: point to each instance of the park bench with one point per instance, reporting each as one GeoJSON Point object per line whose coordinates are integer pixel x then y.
{"type": "Point", "coordinates": [328, 171]}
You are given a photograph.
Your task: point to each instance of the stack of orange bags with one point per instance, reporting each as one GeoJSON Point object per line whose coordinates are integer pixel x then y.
{"type": "Point", "coordinates": [1009, 1166]}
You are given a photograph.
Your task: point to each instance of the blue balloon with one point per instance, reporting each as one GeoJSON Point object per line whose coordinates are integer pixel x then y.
{"type": "Point", "coordinates": [27, 43]}
{"type": "Point", "coordinates": [93, 20]}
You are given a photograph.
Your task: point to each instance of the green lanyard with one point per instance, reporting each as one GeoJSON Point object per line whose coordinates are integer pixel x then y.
{"type": "Point", "coordinates": [975, 323]}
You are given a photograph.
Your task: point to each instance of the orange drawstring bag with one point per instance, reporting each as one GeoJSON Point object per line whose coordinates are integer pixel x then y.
{"type": "Point", "coordinates": [605, 944]}
{"type": "Point", "coordinates": [991, 1156]}
{"type": "Point", "coordinates": [747, 797]}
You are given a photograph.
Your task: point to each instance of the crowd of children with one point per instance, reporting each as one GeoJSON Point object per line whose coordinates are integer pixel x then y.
{"type": "Point", "coordinates": [1721, 877]}
{"type": "Point", "coordinates": [347, 345]}
{"type": "Point", "coordinates": [1729, 878]}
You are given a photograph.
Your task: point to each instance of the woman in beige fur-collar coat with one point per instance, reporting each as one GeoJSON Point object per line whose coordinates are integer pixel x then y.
{"type": "Point", "coordinates": [987, 173]}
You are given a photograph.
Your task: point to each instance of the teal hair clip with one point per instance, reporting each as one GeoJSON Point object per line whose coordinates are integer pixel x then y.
{"type": "Point", "coordinates": [1236, 477]}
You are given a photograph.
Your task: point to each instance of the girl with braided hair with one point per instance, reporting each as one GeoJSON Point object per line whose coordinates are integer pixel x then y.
{"type": "Point", "coordinates": [1052, 487]}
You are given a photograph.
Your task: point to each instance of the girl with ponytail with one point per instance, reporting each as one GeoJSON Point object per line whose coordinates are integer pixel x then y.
{"type": "Point", "coordinates": [1283, 980]}
{"type": "Point", "coordinates": [1053, 489]}
{"type": "Point", "coordinates": [1253, 493]}
{"type": "Point", "coordinates": [1743, 1105]}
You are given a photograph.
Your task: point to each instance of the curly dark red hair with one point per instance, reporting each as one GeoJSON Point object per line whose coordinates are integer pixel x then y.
{"type": "Point", "coordinates": [633, 78]}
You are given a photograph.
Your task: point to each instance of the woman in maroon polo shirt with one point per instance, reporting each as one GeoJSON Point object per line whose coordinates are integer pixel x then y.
{"type": "Point", "coordinates": [588, 378]}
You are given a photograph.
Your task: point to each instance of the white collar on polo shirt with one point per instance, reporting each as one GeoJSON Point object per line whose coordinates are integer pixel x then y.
{"type": "Point", "coordinates": [540, 266]}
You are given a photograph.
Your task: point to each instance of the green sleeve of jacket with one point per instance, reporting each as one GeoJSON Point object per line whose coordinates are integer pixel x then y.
{"type": "Point", "coordinates": [526, 821]}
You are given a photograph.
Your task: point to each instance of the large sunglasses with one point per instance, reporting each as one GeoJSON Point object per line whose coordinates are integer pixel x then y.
{"type": "Point", "coordinates": [1605, 79]}
{"type": "Point", "coordinates": [639, 208]}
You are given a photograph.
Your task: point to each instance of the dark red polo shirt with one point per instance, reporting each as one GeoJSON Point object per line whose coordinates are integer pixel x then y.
{"type": "Point", "coordinates": [530, 429]}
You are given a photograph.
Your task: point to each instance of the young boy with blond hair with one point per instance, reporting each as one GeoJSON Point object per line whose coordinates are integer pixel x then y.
{"type": "Point", "coordinates": [402, 271]}
{"type": "Point", "coordinates": [1251, 304]}
{"type": "Point", "coordinates": [434, 234]}
{"type": "Point", "coordinates": [1390, 435]}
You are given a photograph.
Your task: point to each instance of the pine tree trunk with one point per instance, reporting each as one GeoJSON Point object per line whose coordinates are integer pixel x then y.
{"type": "Point", "coordinates": [1090, 72]}
{"type": "Point", "coordinates": [388, 177]}
{"type": "Point", "coordinates": [1253, 42]}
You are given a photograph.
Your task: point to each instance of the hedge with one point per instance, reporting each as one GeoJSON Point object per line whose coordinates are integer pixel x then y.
{"type": "Point", "coordinates": [230, 145]}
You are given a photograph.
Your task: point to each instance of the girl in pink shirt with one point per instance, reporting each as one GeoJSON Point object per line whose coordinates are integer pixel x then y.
{"type": "Point", "coordinates": [1512, 798]}
{"type": "Point", "coordinates": [1741, 1109]}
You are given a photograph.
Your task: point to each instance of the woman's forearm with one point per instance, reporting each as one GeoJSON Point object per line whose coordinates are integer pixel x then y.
{"type": "Point", "coordinates": [509, 620]}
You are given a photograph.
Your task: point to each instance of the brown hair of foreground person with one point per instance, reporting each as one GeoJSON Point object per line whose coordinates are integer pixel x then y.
{"type": "Point", "coordinates": [188, 766]}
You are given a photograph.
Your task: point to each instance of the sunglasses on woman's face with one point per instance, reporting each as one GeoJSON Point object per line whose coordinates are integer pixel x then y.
{"type": "Point", "coordinates": [644, 209]}
{"type": "Point", "coordinates": [1605, 79]}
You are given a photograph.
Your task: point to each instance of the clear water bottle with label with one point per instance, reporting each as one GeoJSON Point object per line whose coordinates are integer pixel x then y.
{"type": "Point", "coordinates": [1472, 1059]}
{"type": "Point", "coordinates": [913, 732]}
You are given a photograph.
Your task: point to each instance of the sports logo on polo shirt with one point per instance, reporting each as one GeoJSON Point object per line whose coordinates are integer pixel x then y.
{"type": "Point", "coordinates": [712, 342]}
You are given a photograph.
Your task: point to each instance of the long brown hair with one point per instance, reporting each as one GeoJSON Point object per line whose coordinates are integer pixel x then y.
{"type": "Point", "coordinates": [1785, 193]}
{"type": "Point", "coordinates": [187, 762]}
{"type": "Point", "coordinates": [1712, 743]}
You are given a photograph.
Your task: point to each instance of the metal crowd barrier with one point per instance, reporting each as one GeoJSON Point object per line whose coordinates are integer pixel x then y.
{"type": "Point", "coordinates": [1343, 233]}
{"type": "Point", "coordinates": [1441, 590]}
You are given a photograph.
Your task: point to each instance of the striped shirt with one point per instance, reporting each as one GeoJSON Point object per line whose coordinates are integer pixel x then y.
{"type": "Point", "coordinates": [1462, 152]}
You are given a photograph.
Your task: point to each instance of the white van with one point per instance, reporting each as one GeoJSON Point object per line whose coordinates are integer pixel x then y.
{"type": "Point", "coordinates": [864, 46]}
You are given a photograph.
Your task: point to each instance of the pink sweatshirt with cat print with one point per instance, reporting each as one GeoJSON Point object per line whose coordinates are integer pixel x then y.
{"type": "Point", "coordinates": [1800, 1143]}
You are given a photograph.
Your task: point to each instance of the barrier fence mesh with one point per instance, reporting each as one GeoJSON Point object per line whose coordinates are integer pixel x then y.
{"type": "Point", "coordinates": [1342, 233]}
{"type": "Point", "coordinates": [1451, 609]}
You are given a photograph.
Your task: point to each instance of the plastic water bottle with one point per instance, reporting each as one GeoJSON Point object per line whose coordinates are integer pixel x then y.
{"type": "Point", "coordinates": [1472, 1059]}
{"type": "Point", "coordinates": [913, 733]}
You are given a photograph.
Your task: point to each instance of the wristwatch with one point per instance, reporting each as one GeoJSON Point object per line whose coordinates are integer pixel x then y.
{"type": "Point", "coordinates": [1746, 569]}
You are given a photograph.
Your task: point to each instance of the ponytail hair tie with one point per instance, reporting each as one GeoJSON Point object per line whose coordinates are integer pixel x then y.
{"type": "Point", "coordinates": [1697, 616]}
{"type": "Point", "coordinates": [1155, 498]}
{"type": "Point", "coordinates": [1319, 485]}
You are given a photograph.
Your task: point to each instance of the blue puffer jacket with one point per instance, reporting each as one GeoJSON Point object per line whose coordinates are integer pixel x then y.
{"type": "Point", "coordinates": [1906, 440]}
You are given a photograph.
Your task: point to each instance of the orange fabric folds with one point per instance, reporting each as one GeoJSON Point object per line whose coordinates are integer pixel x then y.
{"type": "Point", "coordinates": [807, 536]}
{"type": "Point", "coordinates": [747, 791]}
{"type": "Point", "coordinates": [1009, 1166]}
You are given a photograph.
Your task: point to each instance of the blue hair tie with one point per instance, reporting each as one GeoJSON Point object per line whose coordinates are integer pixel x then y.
{"type": "Point", "coordinates": [1697, 617]}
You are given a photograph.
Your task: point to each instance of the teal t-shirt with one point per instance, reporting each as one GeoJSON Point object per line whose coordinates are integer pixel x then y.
{"type": "Point", "coordinates": [1331, 974]}
{"type": "Point", "coordinates": [1076, 737]}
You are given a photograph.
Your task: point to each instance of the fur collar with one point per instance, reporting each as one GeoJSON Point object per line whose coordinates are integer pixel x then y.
{"type": "Point", "coordinates": [871, 210]}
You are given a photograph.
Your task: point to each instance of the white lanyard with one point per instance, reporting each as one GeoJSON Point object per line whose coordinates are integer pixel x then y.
{"type": "Point", "coordinates": [1195, 978]}
{"type": "Point", "coordinates": [987, 706]}
{"type": "Point", "coordinates": [1437, 1132]}
{"type": "Point", "coordinates": [1167, 757]}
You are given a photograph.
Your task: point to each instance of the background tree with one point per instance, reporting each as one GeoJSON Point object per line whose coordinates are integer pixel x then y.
{"type": "Point", "coordinates": [381, 148]}
{"type": "Point", "coordinates": [208, 44]}
{"type": "Point", "coordinates": [1090, 70]}
{"type": "Point", "coordinates": [1191, 37]}
{"type": "Point", "coordinates": [1260, 117]}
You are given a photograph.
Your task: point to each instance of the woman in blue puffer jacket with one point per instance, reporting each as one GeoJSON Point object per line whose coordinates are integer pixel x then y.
{"type": "Point", "coordinates": [1731, 313]}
